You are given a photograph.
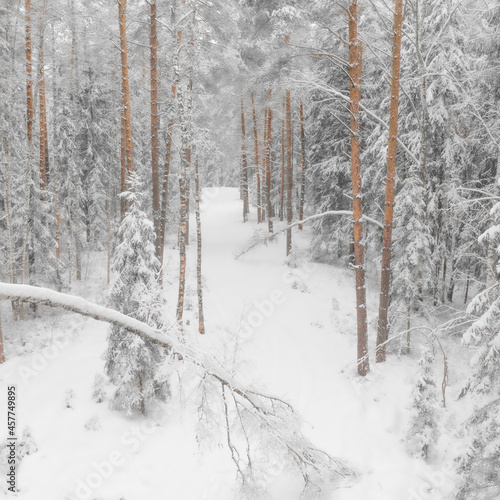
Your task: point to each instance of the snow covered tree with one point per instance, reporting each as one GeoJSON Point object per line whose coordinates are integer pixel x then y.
{"type": "Point", "coordinates": [411, 253]}
{"type": "Point", "coordinates": [423, 423]}
{"type": "Point", "coordinates": [132, 362]}
{"type": "Point", "coordinates": [479, 465]}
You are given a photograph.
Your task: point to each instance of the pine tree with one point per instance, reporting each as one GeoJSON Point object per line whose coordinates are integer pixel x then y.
{"type": "Point", "coordinates": [423, 424]}
{"type": "Point", "coordinates": [411, 254]}
{"type": "Point", "coordinates": [131, 362]}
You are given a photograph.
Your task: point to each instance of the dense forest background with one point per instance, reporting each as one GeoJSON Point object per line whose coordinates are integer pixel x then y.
{"type": "Point", "coordinates": [117, 120]}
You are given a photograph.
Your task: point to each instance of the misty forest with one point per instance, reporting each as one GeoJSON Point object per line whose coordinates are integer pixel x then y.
{"type": "Point", "coordinates": [249, 249]}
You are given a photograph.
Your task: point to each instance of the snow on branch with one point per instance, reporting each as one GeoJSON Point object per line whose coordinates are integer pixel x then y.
{"type": "Point", "coordinates": [268, 424]}
{"type": "Point", "coordinates": [264, 239]}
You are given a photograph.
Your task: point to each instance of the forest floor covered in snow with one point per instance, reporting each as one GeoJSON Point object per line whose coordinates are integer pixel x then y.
{"type": "Point", "coordinates": [287, 327]}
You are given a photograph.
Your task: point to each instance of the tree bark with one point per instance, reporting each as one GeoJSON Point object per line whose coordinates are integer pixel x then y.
{"type": "Point", "coordinates": [289, 171]}
{"type": "Point", "coordinates": [257, 163]}
{"type": "Point", "coordinates": [355, 63]}
{"type": "Point", "coordinates": [244, 165]}
{"type": "Point", "coordinates": [176, 44]}
{"type": "Point", "coordinates": [29, 129]}
{"type": "Point", "coordinates": [123, 161]}
{"type": "Point", "coordinates": [155, 172]}
{"type": "Point", "coordinates": [383, 328]}
{"type": "Point", "coordinates": [127, 111]}
{"type": "Point", "coordinates": [269, 164]}
{"type": "Point", "coordinates": [283, 174]}
{"type": "Point", "coordinates": [43, 118]}
{"type": "Point", "coordinates": [303, 164]}
{"type": "Point", "coordinates": [201, 317]}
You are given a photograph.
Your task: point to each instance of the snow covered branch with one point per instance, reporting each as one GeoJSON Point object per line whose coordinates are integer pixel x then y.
{"type": "Point", "coordinates": [269, 237]}
{"type": "Point", "coordinates": [263, 418]}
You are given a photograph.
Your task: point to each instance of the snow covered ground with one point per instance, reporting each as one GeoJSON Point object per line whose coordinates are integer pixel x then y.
{"type": "Point", "coordinates": [286, 328]}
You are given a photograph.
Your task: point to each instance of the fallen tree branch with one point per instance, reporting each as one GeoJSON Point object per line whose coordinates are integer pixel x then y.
{"type": "Point", "coordinates": [275, 417]}
{"type": "Point", "coordinates": [304, 221]}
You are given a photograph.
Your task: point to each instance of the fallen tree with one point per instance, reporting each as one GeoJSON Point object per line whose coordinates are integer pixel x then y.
{"type": "Point", "coordinates": [269, 237]}
{"type": "Point", "coordinates": [247, 415]}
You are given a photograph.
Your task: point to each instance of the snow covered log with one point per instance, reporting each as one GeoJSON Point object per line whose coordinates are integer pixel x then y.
{"type": "Point", "coordinates": [48, 297]}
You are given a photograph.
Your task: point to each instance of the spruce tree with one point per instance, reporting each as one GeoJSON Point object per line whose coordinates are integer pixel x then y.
{"type": "Point", "coordinates": [132, 363]}
{"type": "Point", "coordinates": [422, 429]}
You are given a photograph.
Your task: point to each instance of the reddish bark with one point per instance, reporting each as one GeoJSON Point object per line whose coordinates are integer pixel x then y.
{"type": "Point", "coordinates": [355, 63]}
{"type": "Point", "coordinates": [383, 329]}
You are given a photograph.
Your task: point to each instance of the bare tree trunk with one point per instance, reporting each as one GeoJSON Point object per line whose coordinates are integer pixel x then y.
{"type": "Point", "coordinates": [201, 318]}
{"type": "Point", "coordinates": [383, 329]}
{"type": "Point", "coordinates": [423, 95]}
{"type": "Point", "coordinates": [29, 70]}
{"type": "Point", "coordinates": [289, 171]}
{"type": "Point", "coordinates": [155, 172]}
{"type": "Point", "coordinates": [355, 63]}
{"type": "Point", "coordinates": [123, 161]}
{"type": "Point", "coordinates": [127, 111]}
{"type": "Point", "coordinates": [29, 127]}
{"type": "Point", "coordinates": [244, 165]}
{"type": "Point", "coordinates": [269, 162]}
{"type": "Point", "coordinates": [43, 119]}
{"type": "Point", "coordinates": [283, 174]}
{"type": "Point", "coordinates": [74, 85]}
{"type": "Point", "coordinates": [408, 330]}
{"type": "Point", "coordinates": [257, 164]}
{"type": "Point", "coordinates": [176, 45]}
{"type": "Point", "coordinates": [183, 227]}
{"type": "Point", "coordinates": [303, 164]}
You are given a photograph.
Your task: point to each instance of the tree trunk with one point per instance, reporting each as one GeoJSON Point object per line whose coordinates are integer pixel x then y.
{"type": "Point", "coordinates": [355, 63]}
{"type": "Point", "coordinates": [383, 328]}
{"type": "Point", "coordinates": [201, 318]}
{"type": "Point", "coordinates": [257, 164]}
{"type": "Point", "coordinates": [289, 171]}
{"type": "Point", "coordinates": [29, 129]}
{"type": "Point", "coordinates": [176, 44]}
{"type": "Point", "coordinates": [155, 173]}
{"type": "Point", "coordinates": [244, 165]}
{"type": "Point", "coordinates": [269, 163]}
{"type": "Point", "coordinates": [29, 70]}
{"type": "Point", "coordinates": [43, 118]}
{"type": "Point", "coordinates": [303, 165]}
{"type": "Point", "coordinates": [283, 175]}
{"type": "Point", "coordinates": [183, 227]}
{"type": "Point", "coordinates": [127, 111]}
{"type": "Point", "coordinates": [123, 161]}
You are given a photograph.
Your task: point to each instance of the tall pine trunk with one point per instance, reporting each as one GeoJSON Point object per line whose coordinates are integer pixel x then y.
{"type": "Point", "coordinates": [269, 162]}
{"type": "Point", "coordinates": [383, 328]}
{"type": "Point", "coordinates": [29, 129]}
{"type": "Point", "coordinates": [176, 44]}
{"type": "Point", "coordinates": [303, 164]}
{"type": "Point", "coordinates": [127, 111]}
{"type": "Point", "coordinates": [244, 165]}
{"type": "Point", "coordinates": [155, 172]}
{"type": "Point", "coordinates": [355, 63]}
{"type": "Point", "coordinates": [257, 164]}
{"type": "Point", "coordinates": [289, 171]}
{"type": "Point", "coordinates": [201, 317]}
{"type": "Point", "coordinates": [283, 161]}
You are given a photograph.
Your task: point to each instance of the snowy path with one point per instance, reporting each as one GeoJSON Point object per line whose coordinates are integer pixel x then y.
{"type": "Point", "coordinates": [296, 330]}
